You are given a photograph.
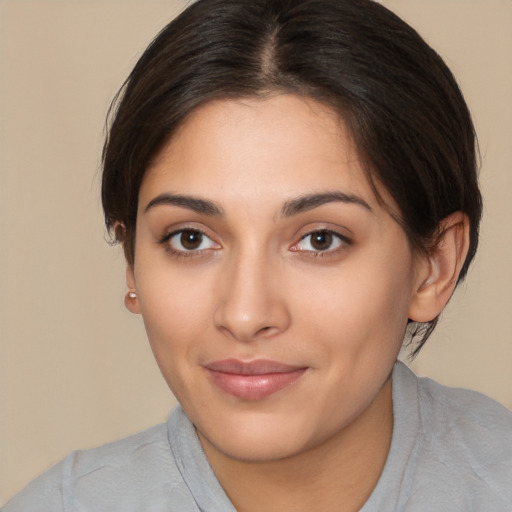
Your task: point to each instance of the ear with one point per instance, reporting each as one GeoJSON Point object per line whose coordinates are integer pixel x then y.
{"type": "Point", "coordinates": [131, 301]}
{"type": "Point", "coordinates": [440, 270]}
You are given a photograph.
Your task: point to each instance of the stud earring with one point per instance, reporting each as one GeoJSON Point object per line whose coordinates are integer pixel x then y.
{"type": "Point", "coordinates": [130, 300]}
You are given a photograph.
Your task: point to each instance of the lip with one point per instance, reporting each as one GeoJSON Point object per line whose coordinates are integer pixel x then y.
{"type": "Point", "coordinates": [253, 380]}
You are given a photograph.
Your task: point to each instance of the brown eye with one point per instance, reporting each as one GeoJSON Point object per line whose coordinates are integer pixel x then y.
{"type": "Point", "coordinates": [321, 241]}
{"type": "Point", "coordinates": [191, 240]}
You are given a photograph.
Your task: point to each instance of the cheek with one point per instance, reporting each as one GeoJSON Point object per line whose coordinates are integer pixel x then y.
{"type": "Point", "coordinates": [361, 304]}
{"type": "Point", "coordinates": [176, 309]}
{"type": "Point", "coordinates": [173, 323]}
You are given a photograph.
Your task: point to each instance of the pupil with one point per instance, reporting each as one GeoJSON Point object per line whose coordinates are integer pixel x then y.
{"type": "Point", "coordinates": [191, 239]}
{"type": "Point", "coordinates": [321, 241]}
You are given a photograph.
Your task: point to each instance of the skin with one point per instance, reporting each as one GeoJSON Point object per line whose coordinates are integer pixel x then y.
{"type": "Point", "coordinates": [258, 286]}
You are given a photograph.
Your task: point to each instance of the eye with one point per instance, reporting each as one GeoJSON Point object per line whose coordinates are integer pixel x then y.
{"type": "Point", "coordinates": [189, 240]}
{"type": "Point", "coordinates": [320, 241]}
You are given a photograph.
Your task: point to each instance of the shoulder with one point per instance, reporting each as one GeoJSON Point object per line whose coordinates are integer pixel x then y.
{"type": "Point", "coordinates": [468, 419]}
{"type": "Point", "coordinates": [464, 444]}
{"type": "Point", "coordinates": [127, 475]}
{"type": "Point", "coordinates": [149, 446]}
{"type": "Point", "coordinates": [456, 412]}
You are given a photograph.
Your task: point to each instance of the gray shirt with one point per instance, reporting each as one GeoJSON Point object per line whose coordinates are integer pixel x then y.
{"type": "Point", "coordinates": [451, 451]}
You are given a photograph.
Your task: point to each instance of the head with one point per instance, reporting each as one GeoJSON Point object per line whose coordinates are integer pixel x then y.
{"type": "Point", "coordinates": [396, 97]}
{"type": "Point", "coordinates": [293, 181]}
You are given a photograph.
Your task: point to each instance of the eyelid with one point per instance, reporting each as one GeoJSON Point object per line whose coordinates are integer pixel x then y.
{"type": "Point", "coordinates": [342, 241]}
{"type": "Point", "coordinates": [167, 238]}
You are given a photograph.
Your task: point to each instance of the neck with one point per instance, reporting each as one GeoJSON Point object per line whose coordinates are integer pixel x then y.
{"type": "Point", "coordinates": [337, 475]}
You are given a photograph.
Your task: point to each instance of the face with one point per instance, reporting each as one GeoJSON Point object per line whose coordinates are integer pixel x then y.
{"type": "Point", "coordinates": [274, 286]}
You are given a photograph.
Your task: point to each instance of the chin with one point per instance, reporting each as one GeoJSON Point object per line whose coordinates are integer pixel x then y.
{"type": "Point", "coordinates": [261, 449]}
{"type": "Point", "coordinates": [257, 437]}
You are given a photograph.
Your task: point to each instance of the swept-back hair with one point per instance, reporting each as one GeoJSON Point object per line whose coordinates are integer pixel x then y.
{"type": "Point", "coordinates": [399, 100]}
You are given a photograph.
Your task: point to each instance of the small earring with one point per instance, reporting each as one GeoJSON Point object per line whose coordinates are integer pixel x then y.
{"type": "Point", "coordinates": [130, 301]}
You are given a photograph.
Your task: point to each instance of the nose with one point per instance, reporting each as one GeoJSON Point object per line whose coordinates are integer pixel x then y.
{"type": "Point", "coordinates": [251, 301]}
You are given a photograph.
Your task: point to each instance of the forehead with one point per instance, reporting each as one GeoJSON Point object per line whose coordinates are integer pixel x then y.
{"type": "Point", "coordinates": [284, 145]}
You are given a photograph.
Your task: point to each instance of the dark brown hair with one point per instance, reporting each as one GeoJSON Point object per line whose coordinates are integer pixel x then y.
{"type": "Point", "coordinates": [399, 100]}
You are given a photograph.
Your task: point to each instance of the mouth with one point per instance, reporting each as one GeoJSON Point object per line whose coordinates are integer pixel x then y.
{"type": "Point", "coordinates": [253, 380]}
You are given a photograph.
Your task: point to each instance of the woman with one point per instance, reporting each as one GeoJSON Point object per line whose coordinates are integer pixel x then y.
{"type": "Point", "coordinates": [294, 185]}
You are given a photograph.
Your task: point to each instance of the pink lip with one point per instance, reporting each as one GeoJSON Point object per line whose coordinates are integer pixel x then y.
{"type": "Point", "coordinates": [252, 380]}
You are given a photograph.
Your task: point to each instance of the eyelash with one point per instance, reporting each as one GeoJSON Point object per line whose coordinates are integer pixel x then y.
{"type": "Point", "coordinates": [341, 241]}
{"type": "Point", "coordinates": [337, 238]}
{"type": "Point", "coordinates": [166, 241]}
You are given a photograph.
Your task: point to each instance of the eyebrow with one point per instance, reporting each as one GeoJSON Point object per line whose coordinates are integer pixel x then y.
{"type": "Point", "coordinates": [195, 204]}
{"type": "Point", "coordinates": [291, 207]}
{"type": "Point", "coordinates": [310, 201]}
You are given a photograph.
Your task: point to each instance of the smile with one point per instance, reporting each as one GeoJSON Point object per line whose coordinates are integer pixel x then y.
{"type": "Point", "coordinates": [253, 380]}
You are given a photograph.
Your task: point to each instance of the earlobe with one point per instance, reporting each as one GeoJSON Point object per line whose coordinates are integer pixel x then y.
{"type": "Point", "coordinates": [131, 301]}
{"type": "Point", "coordinates": [441, 269]}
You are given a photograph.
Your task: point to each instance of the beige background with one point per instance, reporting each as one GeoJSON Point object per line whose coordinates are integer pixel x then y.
{"type": "Point", "coordinates": [75, 368]}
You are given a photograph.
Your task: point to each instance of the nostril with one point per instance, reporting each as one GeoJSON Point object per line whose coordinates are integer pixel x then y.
{"type": "Point", "coordinates": [264, 330]}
